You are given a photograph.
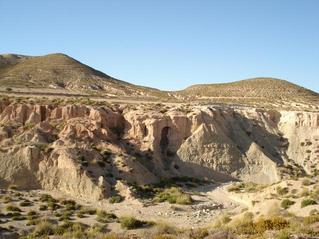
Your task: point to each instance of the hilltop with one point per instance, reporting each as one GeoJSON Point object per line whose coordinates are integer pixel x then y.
{"type": "Point", "coordinates": [59, 71]}
{"type": "Point", "coordinates": [255, 87]}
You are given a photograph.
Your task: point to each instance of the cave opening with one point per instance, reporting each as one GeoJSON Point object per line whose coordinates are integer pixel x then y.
{"type": "Point", "coordinates": [42, 113]}
{"type": "Point", "coordinates": [164, 142]}
{"type": "Point", "coordinates": [145, 131]}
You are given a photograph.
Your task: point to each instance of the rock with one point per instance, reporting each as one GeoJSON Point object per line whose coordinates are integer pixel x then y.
{"type": "Point", "coordinates": [77, 149]}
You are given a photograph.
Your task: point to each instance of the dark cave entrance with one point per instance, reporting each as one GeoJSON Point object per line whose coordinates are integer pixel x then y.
{"type": "Point", "coordinates": [164, 140]}
{"type": "Point", "coordinates": [42, 113]}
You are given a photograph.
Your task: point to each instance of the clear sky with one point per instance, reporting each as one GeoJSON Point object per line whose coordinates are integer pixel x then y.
{"type": "Point", "coordinates": [171, 44]}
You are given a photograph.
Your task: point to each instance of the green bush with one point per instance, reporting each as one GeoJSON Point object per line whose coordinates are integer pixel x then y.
{"type": "Point", "coordinates": [286, 203]}
{"type": "Point", "coordinates": [282, 191]}
{"type": "Point", "coordinates": [173, 195]}
{"type": "Point", "coordinates": [71, 230]}
{"type": "Point", "coordinates": [89, 211]}
{"type": "Point", "coordinates": [105, 217]}
{"type": "Point", "coordinates": [308, 202]}
{"type": "Point", "coordinates": [53, 206]}
{"type": "Point", "coordinates": [262, 225]}
{"type": "Point", "coordinates": [43, 207]}
{"type": "Point", "coordinates": [245, 187]}
{"type": "Point", "coordinates": [47, 198]}
{"type": "Point", "coordinates": [12, 208]}
{"type": "Point", "coordinates": [25, 204]}
{"type": "Point", "coordinates": [133, 223]}
{"type": "Point", "coordinates": [43, 229]}
{"type": "Point", "coordinates": [18, 218]}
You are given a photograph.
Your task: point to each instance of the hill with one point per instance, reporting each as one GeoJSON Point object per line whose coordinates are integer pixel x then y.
{"type": "Point", "coordinates": [59, 71]}
{"type": "Point", "coordinates": [256, 87]}
{"type": "Point", "coordinates": [62, 74]}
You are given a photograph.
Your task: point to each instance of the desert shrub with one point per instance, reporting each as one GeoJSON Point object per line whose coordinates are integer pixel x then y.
{"type": "Point", "coordinates": [173, 195]}
{"type": "Point", "coordinates": [282, 190]}
{"type": "Point", "coordinates": [116, 199]}
{"type": "Point", "coordinates": [66, 216]}
{"type": "Point", "coordinates": [53, 206]}
{"type": "Point", "coordinates": [283, 234]}
{"type": "Point", "coordinates": [221, 221]}
{"type": "Point", "coordinates": [70, 205]}
{"type": "Point", "coordinates": [261, 225]}
{"type": "Point", "coordinates": [105, 217]}
{"type": "Point", "coordinates": [274, 223]}
{"type": "Point", "coordinates": [32, 213]}
{"type": "Point", "coordinates": [47, 198]}
{"type": "Point", "coordinates": [18, 218]}
{"type": "Point", "coordinates": [95, 231]}
{"type": "Point", "coordinates": [33, 222]}
{"type": "Point", "coordinates": [12, 208]}
{"type": "Point", "coordinates": [307, 202]}
{"type": "Point", "coordinates": [43, 229]}
{"type": "Point", "coordinates": [80, 214]}
{"type": "Point", "coordinates": [163, 228]}
{"type": "Point", "coordinates": [305, 182]}
{"type": "Point", "coordinates": [245, 187]}
{"type": "Point", "coordinates": [43, 207]}
{"type": "Point", "coordinates": [132, 223]}
{"type": "Point", "coordinates": [286, 203]}
{"type": "Point", "coordinates": [311, 219]}
{"type": "Point", "coordinates": [13, 187]}
{"type": "Point", "coordinates": [7, 199]}
{"type": "Point", "coordinates": [25, 204]}
{"type": "Point", "coordinates": [71, 230]}
{"type": "Point", "coordinates": [89, 211]}
{"type": "Point", "coordinates": [200, 233]}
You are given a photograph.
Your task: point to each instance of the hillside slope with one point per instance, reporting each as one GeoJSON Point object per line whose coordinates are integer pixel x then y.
{"type": "Point", "coordinates": [62, 74]}
{"type": "Point", "coordinates": [59, 71]}
{"type": "Point", "coordinates": [255, 87]}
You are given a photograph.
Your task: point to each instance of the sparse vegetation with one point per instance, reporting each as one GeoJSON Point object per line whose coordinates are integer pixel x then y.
{"type": "Point", "coordinates": [286, 203]}
{"type": "Point", "coordinates": [133, 223]}
{"type": "Point", "coordinates": [105, 217]}
{"type": "Point", "coordinates": [12, 208]}
{"type": "Point", "coordinates": [245, 187]}
{"type": "Point", "coordinates": [116, 199]}
{"type": "Point", "coordinates": [173, 195]}
{"type": "Point", "coordinates": [308, 202]}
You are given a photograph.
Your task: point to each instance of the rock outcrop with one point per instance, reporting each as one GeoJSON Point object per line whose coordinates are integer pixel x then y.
{"type": "Point", "coordinates": [85, 150]}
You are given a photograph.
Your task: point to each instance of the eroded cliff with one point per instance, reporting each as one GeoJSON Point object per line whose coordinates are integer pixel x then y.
{"type": "Point", "coordinates": [86, 150]}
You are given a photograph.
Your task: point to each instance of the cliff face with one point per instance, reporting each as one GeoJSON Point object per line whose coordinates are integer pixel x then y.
{"type": "Point", "coordinates": [84, 150]}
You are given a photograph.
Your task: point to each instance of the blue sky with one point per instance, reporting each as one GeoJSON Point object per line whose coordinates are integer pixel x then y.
{"type": "Point", "coordinates": [171, 44]}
